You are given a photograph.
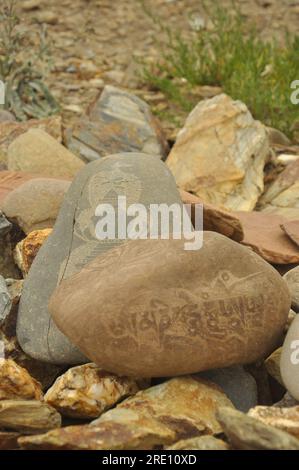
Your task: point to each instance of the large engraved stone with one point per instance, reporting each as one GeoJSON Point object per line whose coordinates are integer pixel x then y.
{"type": "Point", "coordinates": [152, 308]}
{"type": "Point", "coordinates": [220, 154]}
{"type": "Point", "coordinates": [73, 242]}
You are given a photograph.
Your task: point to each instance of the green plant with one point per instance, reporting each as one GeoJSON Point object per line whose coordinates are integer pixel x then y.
{"type": "Point", "coordinates": [23, 67]}
{"type": "Point", "coordinates": [230, 55]}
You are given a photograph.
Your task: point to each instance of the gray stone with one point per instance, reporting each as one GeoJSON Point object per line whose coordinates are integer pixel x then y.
{"type": "Point", "coordinates": [117, 122]}
{"type": "Point", "coordinates": [239, 385]}
{"type": "Point", "coordinates": [5, 225]}
{"type": "Point", "coordinates": [292, 280]}
{"type": "Point", "coordinates": [72, 244]}
{"type": "Point", "coordinates": [5, 301]}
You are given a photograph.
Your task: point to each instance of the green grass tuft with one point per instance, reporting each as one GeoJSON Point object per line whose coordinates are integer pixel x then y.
{"type": "Point", "coordinates": [230, 55]}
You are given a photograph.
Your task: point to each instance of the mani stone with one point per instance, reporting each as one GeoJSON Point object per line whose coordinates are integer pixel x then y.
{"type": "Point", "coordinates": [292, 280]}
{"type": "Point", "coordinates": [220, 154]}
{"type": "Point", "coordinates": [35, 204]}
{"type": "Point", "coordinates": [38, 152]}
{"type": "Point", "coordinates": [73, 242]}
{"type": "Point", "coordinates": [151, 308]}
{"type": "Point", "coordinates": [117, 122]}
{"type": "Point", "coordinates": [289, 363]}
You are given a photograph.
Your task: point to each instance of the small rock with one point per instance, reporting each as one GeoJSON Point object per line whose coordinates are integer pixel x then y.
{"type": "Point", "coordinates": [28, 416]}
{"type": "Point", "coordinates": [5, 225]}
{"type": "Point", "coordinates": [287, 401]}
{"type": "Point", "coordinates": [237, 384]}
{"type": "Point", "coordinates": [6, 116]}
{"type": "Point", "coordinates": [289, 364]}
{"type": "Point", "coordinates": [107, 436]}
{"type": "Point", "coordinates": [291, 318]}
{"type": "Point", "coordinates": [9, 131]}
{"type": "Point", "coordinates": [262, 232]}
{"type": "Point", "coordinates": [35, 204]}
{"type": "Point", "coordinates": [117, 122]}
{"type": "Point", "coordinates": [246, 433]}
{"type": "Point", "coordinates": [48, 17]}
{"type": "Point", "coordinates": [286, 419]}
{"type": "Point", "coordinates": [291, 228]}
{"type": "Point", "coordinates": [5, 301]}
{"type": "Point", "coordinates": [200, 443]}
{"type": "Point", "coordinates": [286, 159]}
{"type": "Point", "coordinates": [27, 249]}
{"type": "Point", "coordinates": [277, 137]}
{"type": "Point", "coordinates": [16, 383]}
{"type": "Point", "coordinates": [87, 391]}
{"type": "Point", "coordinates": [272, 364]}
{"type": "Point", "coordinates": [292, 280]}
{"type": "Point", "coordinates": [220, 154]}
{"type": "Point", "coordinates": [282, 196]}
{"type": "Point", "coordinates": [38, 152]}
{"type": "Point", "coordinates": [10, 180]}
{"type": "Point", "coordinates": [29, 5]}
{"type": "Point", "coordinates": [9, 440]}
{"type": "Point", "coordinates": [214, 218]}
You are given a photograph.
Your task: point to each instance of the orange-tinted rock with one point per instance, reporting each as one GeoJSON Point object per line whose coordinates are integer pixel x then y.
{"type": "Point", "coordinates": [215, 219]}
{"type": "Point", "coordinates": [291, 228]}
{"type": "Point", "coordinates": [16, 383]}
{"type": "Point", "coordinates": [27, 249]}
{"type": "Point", "coordinates": [262, 232]}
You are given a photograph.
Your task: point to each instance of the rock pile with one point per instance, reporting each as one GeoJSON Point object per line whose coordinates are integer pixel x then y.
{"type": "Point", "coordinates": [116, 343]}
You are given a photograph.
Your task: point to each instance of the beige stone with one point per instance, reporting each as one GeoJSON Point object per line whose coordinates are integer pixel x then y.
{"type": "Point", "coordinates": [16, 383]}
{"type": "Point", "coordinates": [286, 419]}
{"type": "Point", "coordinates": [108, 436]}
{"type": "Point", "coordinates": [28, 416]}
{"type": "Point", "coordinates": [247, 433]}
{"type": "Point", "coordinates": [220, 154]}
{"type": "Point", "coordinates": [27, 249]}
{"type": "Point", "coordinates": [292, 280]}
{"type": "Point", "coordinates": [282, 196]}
{"type": "Point", "coordinates": [200, 443]}
{"type": "Point", "coordinates": [272, 364]}
{"type": "Point", "coordinates": [35, 204]}
{"type": "Point", "coordinates": [38, 152]}
{"type": "Point", "coordinates": [87, 391]}
{"type": "Point", "coordinates": [10, 130]}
